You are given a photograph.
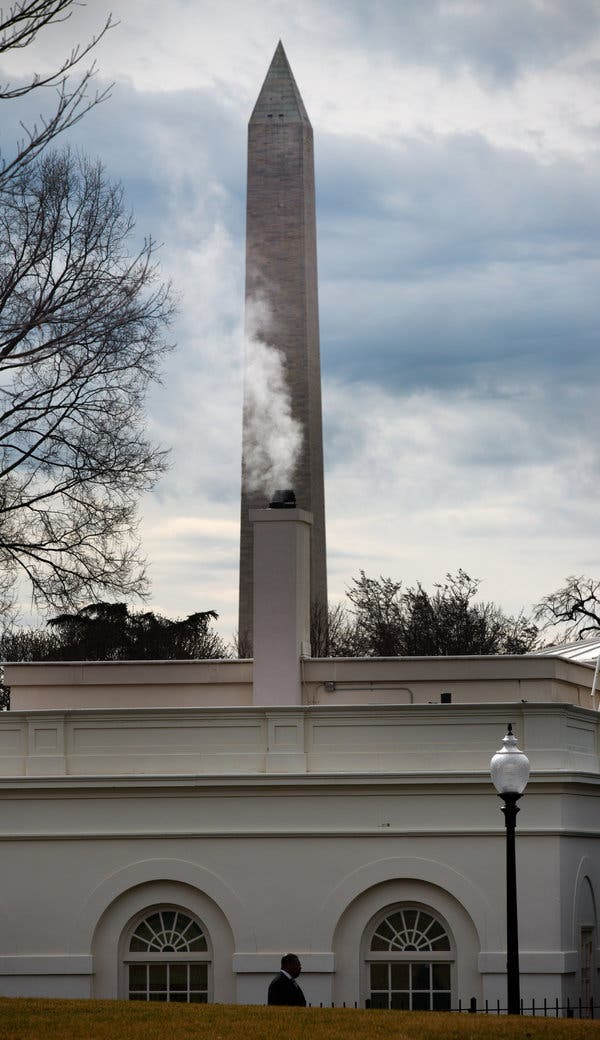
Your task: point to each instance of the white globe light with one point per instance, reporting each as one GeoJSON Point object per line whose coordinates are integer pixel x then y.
{"type": "Point", "coordinates": [509, 767]}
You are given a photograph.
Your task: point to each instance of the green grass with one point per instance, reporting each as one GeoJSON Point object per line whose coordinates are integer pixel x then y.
{"type": "Point", "coordinates": [24, 1019]}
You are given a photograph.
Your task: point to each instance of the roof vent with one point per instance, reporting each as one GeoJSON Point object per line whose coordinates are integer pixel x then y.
{"type": "Point", "coordinates": [283, 500]}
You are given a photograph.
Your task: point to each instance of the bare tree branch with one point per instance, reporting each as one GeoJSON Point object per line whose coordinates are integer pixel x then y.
{"type": "Point", "coordinates": [576, 605]}
{"type": "Point", "coordinates": [82, 323]}
{"type": "Point", "coordinates": [19, 27]}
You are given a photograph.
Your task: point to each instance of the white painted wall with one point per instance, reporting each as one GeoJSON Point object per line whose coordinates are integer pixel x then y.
{"type": "Point", "coordinates": [273, 861]}
{"type": "Point", "coordinates": [412, 740]}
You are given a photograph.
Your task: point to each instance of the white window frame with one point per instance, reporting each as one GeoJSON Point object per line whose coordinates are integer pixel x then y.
{"type": "Point", "coordinates": [431, 957]}
{"type": "Point", "coordinates": [127, 957]}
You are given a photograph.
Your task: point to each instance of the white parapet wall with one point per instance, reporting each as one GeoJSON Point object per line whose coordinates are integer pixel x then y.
{"type": "Point", "coordinates": [358, 739]}
{"type": "Point", "coordinates": [457, 680]}
{"type": "Point", "coordinates": [46, 685]}
{"type": "Point", "coordinates": [51, 685]}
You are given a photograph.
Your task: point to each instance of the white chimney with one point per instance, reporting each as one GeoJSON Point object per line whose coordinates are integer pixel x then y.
{"type": "Point", "coordinates": [281, 603]}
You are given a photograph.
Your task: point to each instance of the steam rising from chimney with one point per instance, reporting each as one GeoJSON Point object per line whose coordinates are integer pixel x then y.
{"type": "Point", "coordinates": [273, 438]}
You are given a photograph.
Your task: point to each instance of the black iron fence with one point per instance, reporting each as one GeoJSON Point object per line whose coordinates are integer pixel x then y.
{"type": "Point", "coordinates": [543, 1009]}
{"type": "Point", "coordinates": [537, 1009]}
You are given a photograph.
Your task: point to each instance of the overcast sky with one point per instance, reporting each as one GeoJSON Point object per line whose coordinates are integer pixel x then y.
{"type": "Point", "coordinates": [457, 150]}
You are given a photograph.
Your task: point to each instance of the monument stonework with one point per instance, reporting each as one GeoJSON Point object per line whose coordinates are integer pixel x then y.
{"type": "Point", "coordinates": [282, 306]}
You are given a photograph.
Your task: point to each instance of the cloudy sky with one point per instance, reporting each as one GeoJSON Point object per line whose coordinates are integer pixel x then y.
{"type": "Point", "coordinates": [457, 166]}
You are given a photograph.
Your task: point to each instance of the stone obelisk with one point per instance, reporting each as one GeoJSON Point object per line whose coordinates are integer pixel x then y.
{"type": "Point", "coordinates": [281, 275]}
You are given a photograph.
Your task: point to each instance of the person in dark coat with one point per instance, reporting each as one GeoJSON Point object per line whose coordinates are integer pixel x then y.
{"type": "Point", "coordinates": [283, 989]}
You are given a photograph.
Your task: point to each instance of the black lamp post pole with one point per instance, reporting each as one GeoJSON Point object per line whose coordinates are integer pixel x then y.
{"type": "Point", "coordinates": [513, 988]}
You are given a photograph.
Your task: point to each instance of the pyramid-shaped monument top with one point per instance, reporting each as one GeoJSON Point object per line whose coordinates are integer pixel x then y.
{"type": "Point", "coordinates": [279, 100]}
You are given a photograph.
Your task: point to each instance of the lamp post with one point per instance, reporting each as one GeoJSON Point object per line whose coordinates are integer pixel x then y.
{"type": "Point", "coordinates": [510, 772]}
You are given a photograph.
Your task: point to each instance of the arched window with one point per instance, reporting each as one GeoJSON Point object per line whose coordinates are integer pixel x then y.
{"type": "Point", "coordinates": [409, 960]}
{"type": "Point", "coordinates": [167, 957]}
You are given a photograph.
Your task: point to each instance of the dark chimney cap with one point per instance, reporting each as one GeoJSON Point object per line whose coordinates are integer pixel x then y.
{"type": "Point", "coordinates": [283, 500]}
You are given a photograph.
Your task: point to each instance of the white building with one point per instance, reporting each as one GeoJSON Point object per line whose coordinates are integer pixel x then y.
{"type": "Point", "coordinates": [172, 828]}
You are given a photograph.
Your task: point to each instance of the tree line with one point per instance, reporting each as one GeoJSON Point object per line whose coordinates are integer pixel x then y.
{"type": "Point", "coordinates": [382, 619]}
{"type": "Point", "coordinates": [113, 632]}
{"type": "Point", "coordinates": [386, 619]}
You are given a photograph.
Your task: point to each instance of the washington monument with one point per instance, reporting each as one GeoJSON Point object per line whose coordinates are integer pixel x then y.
{"type": "Point", "coordinates": [282, 310]}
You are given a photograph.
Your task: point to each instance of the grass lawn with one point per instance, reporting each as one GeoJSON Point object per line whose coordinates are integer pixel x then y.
{"type": "Point", "coordinates": [122, 1020]}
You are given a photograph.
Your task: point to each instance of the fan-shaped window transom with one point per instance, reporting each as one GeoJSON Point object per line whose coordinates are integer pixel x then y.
{"type": "Point", "coordinates": [168, 931]}
{"type": "Point", "coordinates": [410, 930]}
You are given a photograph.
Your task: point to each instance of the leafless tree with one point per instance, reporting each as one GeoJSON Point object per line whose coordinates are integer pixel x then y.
{"type": "Point", "coordinates": [338, 634]}
{"type": "Point", "coordinates": [387, 620]}
{"type": "Point", "coordinates": [82, 325]}
{"type": "Point", "coordinates": [74, 94]}
{"type": "Point", "coordinates": [576, 605]}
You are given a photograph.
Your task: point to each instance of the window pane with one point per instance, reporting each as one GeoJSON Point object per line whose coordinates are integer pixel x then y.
{"type": "Point", "coordinates": [178, 976]}
{"type": "Point", "coordinates": [410, 916]}
{"type": "Point", "coordinates": [441, 976]}
{"type": "Point", "coordinates": [168, 917]}
{"type": "Point", "coordinates": [396, 922]}
{"type": "Point", "coordinates": [137, 976]}
{"type": "Point", "coordinates": [173, 980]}
{"type": "Point", "coordinates": [400, 976]}
{"type": "Point", "coordinates": [442, 943]}
{"type": "Point", "coordinates": [378, 943]}
{"type": "Point", "coordinates": [420, 1002]}
{"type": "Point", "coordinates": [141, 938]}
{"type": "Point", "coordinates": [198, 976]}
{"type": "Point", "coordinates": [154, 922]}
{"type": "Point", "coordinates": [379, 1000]}
{"type": "Point", "coordinates": [379, 976]}
{"type": "Point", "coordinates": [194, 937]}
{"type": "Point", "coordinates": [400, 1002]}
{"type": "Point", "coordinates": [420, 976]}
{"type": "Point", "coordinates": [158, 976]}
{"type": "Point", "coordinates": [441, 1002]}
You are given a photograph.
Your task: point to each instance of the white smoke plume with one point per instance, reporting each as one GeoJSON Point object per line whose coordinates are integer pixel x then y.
{"type": "Point", "coordinates": [273, 438]}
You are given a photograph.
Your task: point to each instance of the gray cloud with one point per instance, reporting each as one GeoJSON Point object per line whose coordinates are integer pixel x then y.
{"type": "Point", "coordinates": [497, 41]}
{"type": "Point", "coordinates": [451, 262]}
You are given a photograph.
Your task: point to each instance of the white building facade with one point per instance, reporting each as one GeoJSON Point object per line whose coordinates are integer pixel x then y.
{"type": "Point", "coordinates": [170, 829]}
